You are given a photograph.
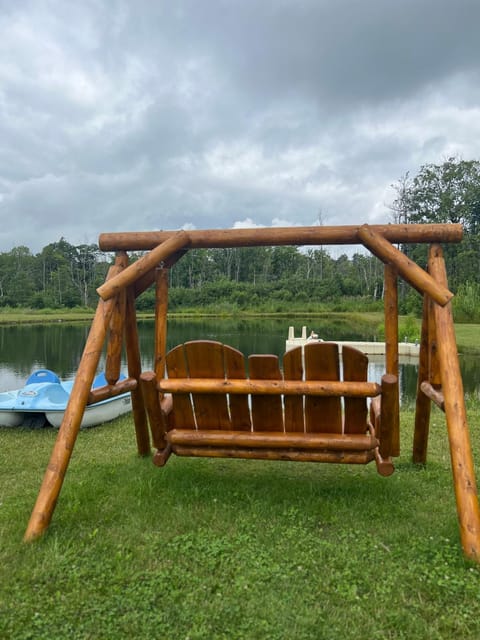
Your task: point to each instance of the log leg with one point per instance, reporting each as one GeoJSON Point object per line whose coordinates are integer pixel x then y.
{"type": "Point", "coordinates": [67, 434]}
{"type": "Point", "coordinates": [457, 426]}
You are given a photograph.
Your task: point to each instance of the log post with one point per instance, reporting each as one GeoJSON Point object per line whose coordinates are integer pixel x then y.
{"type": "Point", "coordinates": [422, 405]}
{"type": "Point", "coordinates": [388, 412]}
{"type": "Point", "coordinates": [161, 308]}
{"type": "Point", "coordinates": [134, 371]}
{"type": "Point", "coordinates": [456, 417]}
{"type": "Point", "coordinates": [391, 319]}
{"type": "Point", "coordinates": [113, 359]}
{"type": "Point", "coordinates": [434, 375]}
{"type": "Point", "coordinates": [391, 348]}
{"type": "Point", "coordinates": [67, 434]}
{"type": "Point", "coordinates": [158, 429]}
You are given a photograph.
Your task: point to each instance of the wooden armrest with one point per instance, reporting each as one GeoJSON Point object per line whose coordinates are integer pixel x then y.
{"type": "Point", "coordinates": [247, 386]}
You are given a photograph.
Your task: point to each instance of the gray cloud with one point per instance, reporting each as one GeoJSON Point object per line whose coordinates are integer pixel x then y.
{"type": "Point", "coordinates": [120, 116]}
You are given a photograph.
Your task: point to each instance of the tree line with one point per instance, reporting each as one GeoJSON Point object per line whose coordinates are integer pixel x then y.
{"type": "Point", "coordinates": [65, 276]}
{"type": "Point", "coordinates": [269, 278]}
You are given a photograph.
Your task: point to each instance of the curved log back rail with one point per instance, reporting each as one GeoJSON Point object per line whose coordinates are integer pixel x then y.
{"type": "Point", "coordinates": [303, 412]}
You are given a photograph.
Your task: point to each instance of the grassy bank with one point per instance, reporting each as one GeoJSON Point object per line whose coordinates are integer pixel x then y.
{"type": "Point", "coordinates": [233, 549]}
{"type": "Point", "coordinates": [40, 316]}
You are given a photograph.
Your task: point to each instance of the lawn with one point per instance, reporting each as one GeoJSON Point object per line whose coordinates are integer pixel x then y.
{"type": "Point", "coordinates": [233, 548]}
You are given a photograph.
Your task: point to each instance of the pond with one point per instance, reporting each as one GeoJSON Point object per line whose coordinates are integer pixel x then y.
{"type": "Point", "coordinates": [59, 346]}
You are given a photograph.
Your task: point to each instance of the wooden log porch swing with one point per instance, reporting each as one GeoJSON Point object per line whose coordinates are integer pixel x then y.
{"type": "Point", "coordinates": [198, 401]}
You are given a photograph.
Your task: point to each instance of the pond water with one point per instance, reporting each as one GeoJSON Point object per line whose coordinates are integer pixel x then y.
{"type": "Point", "coordinates": [59, 346]}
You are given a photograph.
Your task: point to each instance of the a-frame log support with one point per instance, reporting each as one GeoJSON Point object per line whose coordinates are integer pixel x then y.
{"type": "Point", "coordinates": [439, 371]}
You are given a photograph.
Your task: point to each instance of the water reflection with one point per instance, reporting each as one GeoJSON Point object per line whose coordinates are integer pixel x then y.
{"type": "Point", "coordinates": [59, 346]}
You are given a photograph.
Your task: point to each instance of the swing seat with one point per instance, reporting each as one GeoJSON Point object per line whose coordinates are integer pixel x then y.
{"type": "Point", "coordinates": [310, 412]}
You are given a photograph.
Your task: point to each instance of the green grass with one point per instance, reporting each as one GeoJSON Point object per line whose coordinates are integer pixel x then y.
{"type": "Point", "coordinates": [468, 338]}
{"type": "Point", "coordinates": [19, 315]}
{"type": "Point", "coordinates": [232, 549]}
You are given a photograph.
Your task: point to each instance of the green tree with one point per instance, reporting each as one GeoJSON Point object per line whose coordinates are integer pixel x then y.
{"type": "Point", "coordinates": [447, 192]}
{"type": "Point", "coordinates": [17, 277]}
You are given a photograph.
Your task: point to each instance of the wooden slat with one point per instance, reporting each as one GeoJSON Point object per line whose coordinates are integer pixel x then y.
{"type": "Point", "coordinates": [293, 370]}
{"type": "Point", "coordinates": [267, 411]}
{"type": "Point", "coordinates": [182, 413]}
{"type": "Point", "coordinates": [239, 409]}
{"type": "Point", "coordinates": [355, 367]}
{"type": "Point", "coordinates": [205, 360]}
{"type": "Point", "coordinates": [321, 363]}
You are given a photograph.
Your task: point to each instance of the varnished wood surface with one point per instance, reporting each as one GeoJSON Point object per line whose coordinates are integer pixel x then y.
{"type": "Point", "coordinates": [70, 426]}
{"type": "Point", "coordinates": [143, 265]}
{"type": "Point", "coordinates": [267, 410]}
{"type": "Point", "coordinates": [180, 384]}
{"type": "Point", "coordinates": [355, 369]}
{"type": "Point", "coordinates": [273, 440]}
{"type": "Point", "coordinates": [322, 413]}
{"type": "Point", "coordinates": [204, 359]}
{"type": "Point", "coordinates": [456, 417]}
{"type": "Point", "coordinates": [293, 404]}
{"type": "Point", "coordinates": [422, 401]}
{"type": "Point", "coordinates": [293, 455]}
{"type": "Point", "coordinates": [269, 236]}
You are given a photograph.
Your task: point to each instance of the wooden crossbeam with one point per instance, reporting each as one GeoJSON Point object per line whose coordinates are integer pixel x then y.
{"type": "Point", "coordinates": [271, 236]}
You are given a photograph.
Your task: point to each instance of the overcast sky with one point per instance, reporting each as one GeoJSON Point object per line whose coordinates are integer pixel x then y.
{"type": "Point", "coordinates": [156, 114]}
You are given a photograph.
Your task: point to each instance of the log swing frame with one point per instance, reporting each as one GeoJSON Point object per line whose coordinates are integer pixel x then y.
{"type": "Point", "coordinates": [115, 325]}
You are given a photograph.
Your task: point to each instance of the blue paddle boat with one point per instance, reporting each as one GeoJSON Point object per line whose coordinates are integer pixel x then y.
{"type": "Point", "coordinates": [43, 400]}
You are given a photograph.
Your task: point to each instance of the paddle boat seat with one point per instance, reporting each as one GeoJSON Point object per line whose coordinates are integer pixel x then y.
{"type": "Point", "coordinates": [209, 407]}
{"type": "Point", "coordinates": [42, 375]}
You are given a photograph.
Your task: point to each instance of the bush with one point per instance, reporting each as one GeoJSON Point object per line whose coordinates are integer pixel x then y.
{"type": "Point", "coordinates": [466, 304]}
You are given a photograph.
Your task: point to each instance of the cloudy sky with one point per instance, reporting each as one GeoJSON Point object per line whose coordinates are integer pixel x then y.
{"type": "Point", "coordinates": [121, 115]}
